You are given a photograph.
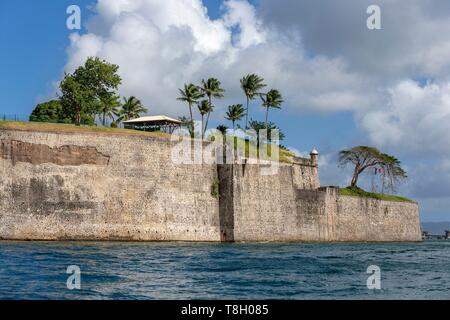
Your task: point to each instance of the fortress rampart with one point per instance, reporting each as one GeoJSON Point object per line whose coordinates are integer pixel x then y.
{"type": "Point", "coordinates": [94, 186]}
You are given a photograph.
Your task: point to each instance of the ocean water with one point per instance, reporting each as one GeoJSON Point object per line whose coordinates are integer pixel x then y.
{"type": "Point", "coordinates": [37, 270]}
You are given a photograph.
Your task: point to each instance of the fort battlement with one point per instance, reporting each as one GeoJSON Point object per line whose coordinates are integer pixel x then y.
{"type": "Point", "coordinates": [88, 186]}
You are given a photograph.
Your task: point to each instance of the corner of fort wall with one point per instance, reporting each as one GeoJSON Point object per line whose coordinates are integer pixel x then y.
{"type": "Point", "coordinates": [275, 208]}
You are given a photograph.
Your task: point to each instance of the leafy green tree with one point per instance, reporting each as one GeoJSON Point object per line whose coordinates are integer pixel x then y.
{"type": "Point", "coordinates": [363, 158]}
{"type": "Point", "coordinates": [131, 109]}
{"type": "Point", "coordinates": [82, 91]}
{"type": "Point", "coordinates": [212, 89]}
{"type": "Point", "coordinates": [50, 111]}
{"type": "Point", "coordinates": [204, 107]}
{"type": "Point", "coordinates": [75, 98]}
{"type": "Point", "coordinates": [272, 99]}
{"type": "Point", "coordinates": [251, 85]}
{"type": "Point", "coordinates": [235, 113]}
{"type": "Point", "coordinates": [190, 94]}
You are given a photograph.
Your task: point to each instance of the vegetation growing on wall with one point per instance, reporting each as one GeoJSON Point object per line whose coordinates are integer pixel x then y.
{"type": "Point", "coordinates": [358, 192]}
{"type": "Point", "coordinates": [215, 188]}
{"type": "Point", "coordinates": [59, 127]}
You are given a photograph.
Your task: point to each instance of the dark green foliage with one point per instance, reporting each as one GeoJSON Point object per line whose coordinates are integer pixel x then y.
{"type": "Point", "coordinates": [235, 113]}
{"type": "Point", "coordinates": [363, 157]}
{"type": "Point", "coordinates": [53, 112]}
{"type": "Point", "coordinates": [223, 129]}
{"type": "Point", "coordinates": [131, 109]}
{"type": "Point", "coordinates": [50, 111]}
{"type": "Point", "coordinates": [259, 125]}
{"type": "Point", "coordinates": [109, 107]}
{"type": "Point", "coordinates": [84, 91]}
{"type": "Point", "coordinates": [205, 108]}
{"type": "Point", "coordinates": [211, 88]}
{"type": "Point", "coordinates": [272, 99]}
{"type": "Point", "coordinates": [190, 94]}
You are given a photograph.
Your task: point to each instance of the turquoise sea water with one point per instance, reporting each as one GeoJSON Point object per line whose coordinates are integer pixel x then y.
{"type": "Point", "coordinates": [37, 270]}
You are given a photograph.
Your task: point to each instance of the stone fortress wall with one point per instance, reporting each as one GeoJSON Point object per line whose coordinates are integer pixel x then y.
{"type": "Point", "coordinates": [94, 186]}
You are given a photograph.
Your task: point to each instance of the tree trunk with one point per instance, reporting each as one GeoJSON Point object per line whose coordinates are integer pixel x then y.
{"type": "Point", "coordinates": [206, 124]}
{"type": "Point", "coordinates": [246, 116]}
{"type": "Point", "coordinates": [104, 118]}
{"type": "Point", "coordinates": [267, 116]}
{"type": "Point", "coordinates": [78, 117]}
{"type": "Point", "coordinates": [207, 118]}
{"type": "Point", "coordinates": [355, 177]}
{"type": "Point", "coordinates": [192, 120]}
{"type": "Point", "coordinates": [203, 131]}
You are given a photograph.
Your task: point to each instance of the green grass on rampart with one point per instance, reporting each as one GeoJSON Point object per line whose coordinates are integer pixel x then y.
{"type": "Point", "coordinates": [71, 128]}
{"type": "Point", "coordinates": [358, 192]}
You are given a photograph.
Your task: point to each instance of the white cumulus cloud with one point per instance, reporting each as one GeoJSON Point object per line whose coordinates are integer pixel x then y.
{"type": "Point", "coordinates": [414, 119]}
{"type": "Point", "coordinates": [160, 45]}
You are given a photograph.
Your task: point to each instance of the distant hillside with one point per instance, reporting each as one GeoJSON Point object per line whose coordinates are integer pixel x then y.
{"type": "Point", "coordinates": [436, 227]}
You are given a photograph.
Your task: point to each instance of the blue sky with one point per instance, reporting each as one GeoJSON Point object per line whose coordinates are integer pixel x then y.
{"type": "Point", "coordinates": [346, 93]}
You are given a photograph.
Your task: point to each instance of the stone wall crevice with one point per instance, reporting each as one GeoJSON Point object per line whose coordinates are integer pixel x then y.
{"type": "Point", "coordinates": [226, 202]}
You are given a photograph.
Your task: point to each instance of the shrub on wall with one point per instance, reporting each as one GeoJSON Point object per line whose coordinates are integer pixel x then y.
{"type": "Point", "coordinates": [215, 188]}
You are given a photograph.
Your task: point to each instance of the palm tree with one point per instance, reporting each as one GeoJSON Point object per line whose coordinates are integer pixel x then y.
{"type": "Point", "coordinates": [191, 94]}
{"type": "Point", "coordinates": [259, 125]}
{"type": "Point", "coordinates": [131, 109]}
{"type": "Point", "coordinates": [204, 107]}
{"type": "Point", "coordinates": [223, 129]}
{"type": "Point", "coordinates": [211, 88]}
{"type": "Point", "coordinates": [251, 84]}
{"type": "Point", "coordinates": [272, 99]}
{"type": "Point", "coordinates": [108, 107]}
{"type": "Point", "coordinates": [186, 122]}
{"type": "Point", "coordinates": [235, 113]}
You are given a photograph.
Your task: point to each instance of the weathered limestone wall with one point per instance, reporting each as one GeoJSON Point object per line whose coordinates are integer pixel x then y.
{"type": "Point", "coordinates": [331, 217]}
{"type": "Point", "coordinates": [263, 205]}
{"type": "Point", "coordinates": [305, 174]}
{"type": "Point", "coordinates": [102, 187]}
{"type": "Point", "coordinates": [274, 208]}
{"type": "Point", "coordinates": [281, 207]}
{"type": "Point", "coordinates": [362, 219]}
